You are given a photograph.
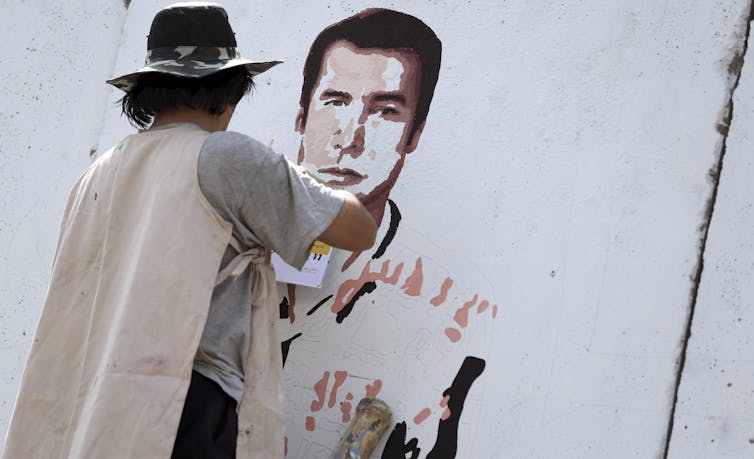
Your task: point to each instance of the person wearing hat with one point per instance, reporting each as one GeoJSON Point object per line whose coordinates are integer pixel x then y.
{"type": "Point", "coordinates": [158, 335]}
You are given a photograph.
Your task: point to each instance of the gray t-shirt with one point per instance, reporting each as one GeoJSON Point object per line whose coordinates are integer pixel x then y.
{"type": "Point", "coordinates": [270, 204]}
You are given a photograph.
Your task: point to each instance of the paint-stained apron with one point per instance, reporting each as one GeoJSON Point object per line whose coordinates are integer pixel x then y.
{"type": "Point", "coordinates": [136, 262]}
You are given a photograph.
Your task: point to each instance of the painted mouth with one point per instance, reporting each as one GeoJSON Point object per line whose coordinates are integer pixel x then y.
{"type": "Point", "coordinates": [344, 176]}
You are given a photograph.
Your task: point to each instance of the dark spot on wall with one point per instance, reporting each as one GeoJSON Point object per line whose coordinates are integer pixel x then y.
{"type": "Point", "coordinates": [316, 306]}
{"type": "Point", "coordinates": [446, 444]}
{"type": "Point", "coordinates": [395, 219]}
{"type": "Point", "coordinates": [284, 308]}
{"type": "Point", "coordinates": [368, 287]}
{"type": "Point", "coordinates": [126, 3]}
{"type": "Point", "coordinates": [285, 346]}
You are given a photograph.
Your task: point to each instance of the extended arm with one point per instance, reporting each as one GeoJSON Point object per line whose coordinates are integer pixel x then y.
{"type": "Point", "coordinates": [353, 227]}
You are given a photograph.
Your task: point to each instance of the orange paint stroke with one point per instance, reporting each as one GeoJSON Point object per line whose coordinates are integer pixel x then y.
{"type": "Point", "coordinates": [372, 390]}
{"type": "Point", "coordinates": [310, 423]}
{"type": "Point", "coordinates": [350, 287]}
{"type": "Point", "coordinates": [422, 416]}
{"type": "Point", "coordinates": [413, 283]}
{"type": "Point", "coordinates": [462, 314]}
{"type": "Point", "coordinates": [291, 302]}
{"type": "Point", "coordinates": [482, 306]}
{"type": "Point", "coordinates": [349, 396]}
{"type": "Point", "coordinates": [444, 403]}
{"type": "Point", "coordinates": [340, 376]}
{"type": "Point", "coordinates": [443, 295]}
{"type": "Point", "coordinates": [494, 311]}
{"type": "Point", "coordinates": [320, 388]}
{"type": "Point", "coordinates": [345, 408]}
{"type": "Point", "coordinates": [453, 334]}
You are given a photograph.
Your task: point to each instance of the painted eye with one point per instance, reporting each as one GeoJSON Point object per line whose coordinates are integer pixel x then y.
{"type": "Point", "coordinates": [389, 111]}
{"type": "Point", "coordinates": [335, 102]}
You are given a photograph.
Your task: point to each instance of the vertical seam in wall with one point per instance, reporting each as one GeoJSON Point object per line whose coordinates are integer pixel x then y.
{"type": "Point", "coordinates": [735, 67]}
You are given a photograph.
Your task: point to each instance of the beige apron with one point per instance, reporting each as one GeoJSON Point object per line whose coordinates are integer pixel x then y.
{"type": "Point", "coordinates": [133, 274]}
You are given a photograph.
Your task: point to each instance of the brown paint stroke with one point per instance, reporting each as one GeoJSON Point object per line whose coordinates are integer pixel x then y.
{"type": "Point", "coordinates": [320, 388]}
{"type": "Point", "coordinates": [482, 306]}
{"type": "Point", "coordinates": [413, 284]}
{"type": "Point", "coordinates": [291, 302]}
{"type": "Point", "coordinates": [422, 416]}
{"type": "Point", "coordinates": [340, 376]}
{"type": "Point", "coordinates": [310, 423]}
{"type": "Point", "coordinates": [453, 334]}
{"type": "Point", "coordinates": [345, 409]}
{"type": "Point", "coordinates": [349, 287]}
{"type": "Point", "coordinates": [494, 311]}
{"type": "Point", "coordinates": [443, 295]}
{"type": "Point", "coordinates": [462, 314]}
{"type": "Point", "coordinates": [444, 404]}
{"type": "Point", "coordinates": [372, 390]}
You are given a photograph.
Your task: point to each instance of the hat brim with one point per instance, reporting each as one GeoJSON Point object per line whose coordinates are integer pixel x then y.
{"type": "Point", "coordinates": [190, 69]}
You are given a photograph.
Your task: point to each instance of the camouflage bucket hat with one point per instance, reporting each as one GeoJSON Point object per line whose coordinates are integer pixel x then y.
{"type": "Point", "coordinates": [191, 40]}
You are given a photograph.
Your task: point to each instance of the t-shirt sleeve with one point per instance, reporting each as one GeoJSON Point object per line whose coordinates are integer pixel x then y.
{"type": "Point", "coordinates": [270, 201]}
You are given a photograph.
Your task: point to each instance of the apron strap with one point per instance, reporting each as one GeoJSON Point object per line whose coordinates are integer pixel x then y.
{"type": "Point", "coordinates": [240, 262]}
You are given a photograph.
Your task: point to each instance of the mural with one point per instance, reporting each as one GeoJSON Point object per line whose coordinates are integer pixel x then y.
{"type": "Point", "coordinates": [365, 99]}
{"type": "Point", "coordinates": [539, 212]}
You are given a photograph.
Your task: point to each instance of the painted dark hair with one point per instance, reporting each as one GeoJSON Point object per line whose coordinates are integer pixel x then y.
{"type": "Point", "coordinates": [382, 29]}
{"type": "Point", "coordinates": [157, 92]}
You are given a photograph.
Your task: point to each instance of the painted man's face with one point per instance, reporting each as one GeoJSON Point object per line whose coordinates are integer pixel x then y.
{"type": "Point", "coordinates": [360, 117]}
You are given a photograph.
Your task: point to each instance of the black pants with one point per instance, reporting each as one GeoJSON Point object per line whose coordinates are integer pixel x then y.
{"type": "Point", "coordinates": [209, 423]}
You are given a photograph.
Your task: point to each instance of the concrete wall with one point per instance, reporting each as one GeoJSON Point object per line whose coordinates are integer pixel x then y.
{"type": "Point", "coordinates": [55, 58]}
{"type": "Point", "coordinates": [562, 183]}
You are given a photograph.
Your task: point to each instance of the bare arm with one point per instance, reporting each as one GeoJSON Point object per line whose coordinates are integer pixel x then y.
{"type": "Point", "coordinates": [353, 228]}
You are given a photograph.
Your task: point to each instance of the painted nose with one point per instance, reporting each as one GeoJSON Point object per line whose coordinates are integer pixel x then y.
{"type": "Point", "coordinates": [351, 141]}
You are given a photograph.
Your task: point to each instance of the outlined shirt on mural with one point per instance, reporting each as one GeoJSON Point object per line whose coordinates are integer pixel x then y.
{"type": "Point", "coordinates": [136, 263]}
{"type": "Point", "coordinates": [386, 323]}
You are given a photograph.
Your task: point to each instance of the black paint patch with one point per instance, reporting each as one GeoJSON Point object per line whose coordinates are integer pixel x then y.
{"type": "Point", "coordinates": [368, 287]}
{"type": "Point", "coordinates": [395, 219]}
{"type": "Point", "coordinates": [316, 306]}
{"type": "Point", "coordinates": [446, 444]}
{"type": "Point", "coordinates": [396, 446]}
{"type": "Point", "coordinates": [286, 346]}
{"type": "Point", "coordinates": [284, 308]}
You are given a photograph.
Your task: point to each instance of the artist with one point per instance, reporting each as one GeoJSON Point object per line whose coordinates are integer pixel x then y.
{"type": "Point", "coordinates": [158, 335]}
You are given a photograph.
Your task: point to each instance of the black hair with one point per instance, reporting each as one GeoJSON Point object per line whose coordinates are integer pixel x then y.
{"type": "Point", "coordinates": [157, 92]}
{"type": "Point", "coordinates": [383, 29]}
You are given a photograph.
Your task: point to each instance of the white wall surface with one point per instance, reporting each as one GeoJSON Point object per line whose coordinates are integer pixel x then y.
{"type": "Point", "coordinates": [54, 58]}
{"type": "Point", "coordinates": [714, 415]}
{"type": "Point", "coordinates": [562, 175]}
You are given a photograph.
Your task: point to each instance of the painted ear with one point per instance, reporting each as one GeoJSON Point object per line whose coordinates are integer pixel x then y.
{"type": "Point", "coordinates": [411, 146]}
{"type": "Point", "coordinates": [300, 121]}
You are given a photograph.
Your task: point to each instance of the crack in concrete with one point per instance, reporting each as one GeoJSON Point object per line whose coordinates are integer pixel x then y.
{"type": "Point", "coordinates": [735, 67]}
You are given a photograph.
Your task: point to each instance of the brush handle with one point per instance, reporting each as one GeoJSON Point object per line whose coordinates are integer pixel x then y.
{"type": "Point", "coordinates": [367, 426]}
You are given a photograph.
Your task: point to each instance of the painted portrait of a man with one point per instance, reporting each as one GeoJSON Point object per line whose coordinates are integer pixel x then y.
{"type": "Point", "coordinates": [368, 84]}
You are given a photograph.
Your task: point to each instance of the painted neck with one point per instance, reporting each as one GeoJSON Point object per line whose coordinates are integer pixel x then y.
{"type": "Point", "coordinates": [376, 200]}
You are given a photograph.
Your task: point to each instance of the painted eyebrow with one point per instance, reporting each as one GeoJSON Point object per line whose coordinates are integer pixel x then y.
{"type": "Point", "coordinates": [331, 93]}
{"type": "Point", "coordinates": [390, 97]}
